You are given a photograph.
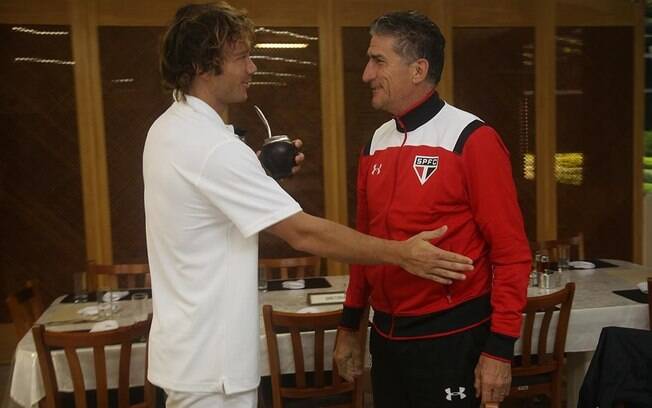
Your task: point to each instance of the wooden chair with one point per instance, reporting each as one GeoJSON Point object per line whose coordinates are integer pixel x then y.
{"type": "Point", "coordinates": [286, 268]}
{"type": "Point", "coordinates": [576, 244]}
{"type": "Point", "coordinates": [25, 306]}
{"type": "Point", "coordinates": [540, 373]}
{"type": "Point", "coordinates": [318, 384]}
{"type": "Point", "coordinates": [46, 342]}
{"type": "Point", "coordinates": [127, 276]}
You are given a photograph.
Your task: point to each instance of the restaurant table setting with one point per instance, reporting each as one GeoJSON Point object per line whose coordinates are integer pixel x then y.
{"type": "Point", "coordinates": [64, 315]}
{"type": "Point", "coordinates": [595, 306]}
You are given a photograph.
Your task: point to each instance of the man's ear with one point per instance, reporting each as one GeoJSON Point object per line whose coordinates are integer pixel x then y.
{"type": "Point", "coordinates": [420, 70]}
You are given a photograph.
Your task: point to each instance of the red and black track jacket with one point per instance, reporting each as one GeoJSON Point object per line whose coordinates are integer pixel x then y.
{"type": "Point", "coordinates": [437, 165]}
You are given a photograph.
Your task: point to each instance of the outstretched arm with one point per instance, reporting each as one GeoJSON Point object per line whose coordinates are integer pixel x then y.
{"type": "Point", "coordinates": [416, 255]}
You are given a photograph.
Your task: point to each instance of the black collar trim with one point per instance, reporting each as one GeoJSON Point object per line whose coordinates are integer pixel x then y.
{"type": "Point", "coordinates": [419, 114]}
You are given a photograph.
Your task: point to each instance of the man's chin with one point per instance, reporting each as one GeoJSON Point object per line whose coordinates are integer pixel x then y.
{"type": "Point", "coordinates": [376, 104]}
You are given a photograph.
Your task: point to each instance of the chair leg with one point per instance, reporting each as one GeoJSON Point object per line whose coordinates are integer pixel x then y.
{"type": "Point", "coordinates": [555, 392]}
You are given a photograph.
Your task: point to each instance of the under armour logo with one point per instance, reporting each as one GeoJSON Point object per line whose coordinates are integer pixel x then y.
{"type": "Point", "coordinates": [460, 393]}
{"type": "Point", "coordinates": [376, 170]}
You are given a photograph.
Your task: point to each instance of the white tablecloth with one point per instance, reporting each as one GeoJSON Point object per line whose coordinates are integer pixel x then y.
{"type": "Point", "coordinates": [594, 307]}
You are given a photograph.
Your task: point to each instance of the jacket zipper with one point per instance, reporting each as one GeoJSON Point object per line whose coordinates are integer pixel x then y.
{"type": "Point", "coordinates": [397, 161]}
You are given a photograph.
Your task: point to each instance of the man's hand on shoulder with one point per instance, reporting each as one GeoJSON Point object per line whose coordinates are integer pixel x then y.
{"type": "Point", "coordinates": [426, 260]}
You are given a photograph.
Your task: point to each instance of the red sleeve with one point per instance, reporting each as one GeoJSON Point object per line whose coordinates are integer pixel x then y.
{"type": "Point", "coordinates": [357, 293]}
{"type": "Point", "coordinates": [492, 197]}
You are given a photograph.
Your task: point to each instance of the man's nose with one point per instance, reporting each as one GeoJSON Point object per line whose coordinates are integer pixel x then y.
{"type": "Point", "coordinates": [367, 74]}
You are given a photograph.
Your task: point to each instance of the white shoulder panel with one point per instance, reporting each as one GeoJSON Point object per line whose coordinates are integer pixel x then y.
{"type": "Point", "coordinates": [443, 130]}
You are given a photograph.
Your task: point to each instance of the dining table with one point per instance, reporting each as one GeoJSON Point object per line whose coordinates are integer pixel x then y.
{"type": "Point", "coordinates": [595, 306]}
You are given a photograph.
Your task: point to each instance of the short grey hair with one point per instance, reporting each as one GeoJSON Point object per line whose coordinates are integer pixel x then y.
{"type": "Point", "coordinates": [416, 37]}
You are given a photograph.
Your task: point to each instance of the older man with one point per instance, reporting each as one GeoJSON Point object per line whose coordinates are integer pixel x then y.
{"type": "Point", "coordinates": [433, 342]}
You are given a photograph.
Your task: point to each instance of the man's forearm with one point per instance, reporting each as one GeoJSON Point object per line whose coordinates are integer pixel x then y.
{"type": "Point", "coordinates": [415, 255]}
{"type": "Point", "coordinates": [328, 239]}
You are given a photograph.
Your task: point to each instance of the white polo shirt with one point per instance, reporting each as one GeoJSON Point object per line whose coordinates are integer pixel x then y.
{"type": "Point", "coordinates": [206, 199]}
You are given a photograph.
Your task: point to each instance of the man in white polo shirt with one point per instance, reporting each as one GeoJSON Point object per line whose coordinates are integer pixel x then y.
{"type": "Point", "coordinates": [206, 199]}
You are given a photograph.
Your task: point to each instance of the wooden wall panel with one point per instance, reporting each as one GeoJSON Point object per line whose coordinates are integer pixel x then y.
{"type": "Point", "coordinates": [495, 13]}
{"type": "Point", "coordinates": [330, 16]}
{"type": "Point", "coordinates": [40, 194]}
{"type": "Point", "coordinates": [133, 98]}
{"type": "Point", "coordinates": [502, 96]}
{"type": "Point", "coordinates": [90, 123]}
{"type": "Point", "coordinates": [136, 13]}
{"type": "Point", "coordinates": [160, 12]}
{"type": "Point", "coordinates": [597, 12]}
{"type": "Point", "coordinates": [360, 13]}
{"type": "Point", "coordinates": [594, 118]}
{"type": "Point", "coordinates": [546, 125]}
{"type": "Point", "coordinates": [34, 12]}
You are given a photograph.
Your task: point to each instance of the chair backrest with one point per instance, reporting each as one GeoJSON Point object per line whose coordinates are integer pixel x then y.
{"type": "Point", "coordinates": [285, 268]}
{"type": "Point", "coordinates": [127, 276]}
{"type": "Point", "coordinates": [576, 244]}
{"type": "Point", "coordinates": [25, 306]}
{"type": "Point", "coordinates": [318, 383]}
{"type": "Point", "coordinates": [543, 364]}
{"type": "Point", "coordinates": [46, 342]}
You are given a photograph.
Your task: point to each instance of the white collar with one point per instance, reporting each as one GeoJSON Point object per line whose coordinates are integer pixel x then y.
{"type": "Point", "coordinates": [204, 109]}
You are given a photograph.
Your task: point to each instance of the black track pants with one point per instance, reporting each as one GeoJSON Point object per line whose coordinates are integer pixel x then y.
{"type": "Point", "coordinates": [426, 373]}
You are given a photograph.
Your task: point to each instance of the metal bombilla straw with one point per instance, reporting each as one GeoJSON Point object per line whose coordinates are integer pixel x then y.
{"type": "Point", "coordinates": [264, 120]}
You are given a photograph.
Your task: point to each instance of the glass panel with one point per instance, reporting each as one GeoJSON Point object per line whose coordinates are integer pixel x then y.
{"type": "Point", "coordinates": [361, 118]}
{"type": "Point", "coordinates": [133, 98]}
{"type": "Point", "coordinates": [494, 79]}
{"type": "Point", "coordinates": [287, 89]}
{"type": "Point", "coordinates": [594, 138]}
{"type": "Point", "coordinates": [40, 197]}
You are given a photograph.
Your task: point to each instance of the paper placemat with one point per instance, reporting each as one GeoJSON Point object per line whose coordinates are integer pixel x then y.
{"type": "Point", "coordinates": [632, 294]}
{"type": "Point", "coordinates": [92, 297]}
{"type": "Point", "coordinates": [597, 262]}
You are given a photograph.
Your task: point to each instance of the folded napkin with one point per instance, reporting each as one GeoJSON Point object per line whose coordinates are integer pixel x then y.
{"type": "Point", "coordinates": [114, 295]}
{"type": "Point", "coordinates": [642, 286]}
{"type": "Point", "coordinates": [296, 284]}
{"type": "Point", "coordinates": [582, 264]}
{"type": "Point", "coordinates": [309, 309]}
{"type": "Point", "coordinates": [90, 311]}
{"type": "Point", "coordinates": [104, 326]}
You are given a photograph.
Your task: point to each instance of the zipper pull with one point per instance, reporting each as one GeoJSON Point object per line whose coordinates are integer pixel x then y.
{"type": "Point", "coordinates": [448, 295]}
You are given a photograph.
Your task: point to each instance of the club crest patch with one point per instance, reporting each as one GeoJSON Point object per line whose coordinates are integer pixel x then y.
{"type": "Point", "coordinates": [425, 166]}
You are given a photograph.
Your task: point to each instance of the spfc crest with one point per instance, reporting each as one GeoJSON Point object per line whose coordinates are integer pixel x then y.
{"type": "Point", "coordinates": [425, 166]}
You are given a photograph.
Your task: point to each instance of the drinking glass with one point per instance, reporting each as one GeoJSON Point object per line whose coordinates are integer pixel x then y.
{"type": "Point", "coordinates": [80, 294]}
{"type": "Point", "coordinates": [563, 257]}
{"type": "Point", "coordinates": [105, 305]}
{"type": "Point", "coordinates": [262, 279]}
{"type": "Point", "coordinates": [139, 301]}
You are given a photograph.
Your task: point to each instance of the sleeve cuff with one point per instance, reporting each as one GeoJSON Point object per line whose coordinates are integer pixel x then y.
{"type": "Point", "coordinates": [351, 318]}
{"type": "Point", "coordinates": [499, 347]}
